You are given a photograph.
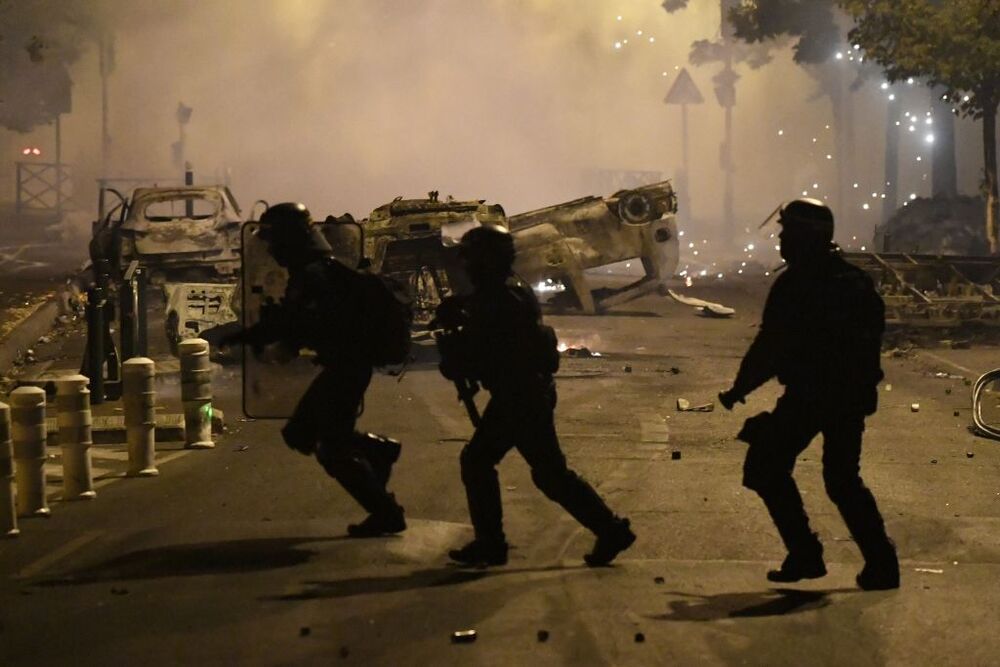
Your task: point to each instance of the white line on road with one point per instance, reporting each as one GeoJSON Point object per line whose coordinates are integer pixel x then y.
{"type": "Point", "coordinates": [56, 555]}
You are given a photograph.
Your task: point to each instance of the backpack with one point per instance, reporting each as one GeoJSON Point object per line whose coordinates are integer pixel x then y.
{"type": "Point", "coordinates": [387, 318]}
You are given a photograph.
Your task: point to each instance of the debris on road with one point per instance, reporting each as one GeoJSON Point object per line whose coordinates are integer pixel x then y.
{"type": "Point", "coordinates": [580, 352]}
{"type": "Point", "coordinates": [928, 570]}
{"type": "Point", "coordinates": [242, 448]}
{"type": "Point", "coordinates": [705, 308]}
{"type": "Point", "coordinates": [305, 631]}
{"type": "Point", "coordinates": [658, 580]}
{"type": "Point", "coordinates": [463, 636]}
{"type": "Point", "coordinates": [888, 387]}
{"type": "Point", "coordinates": [684, 405]}
{"type": "Point", "coordinates": [543, 635]}
{"type": "Point", "coordinates": [639, 638]}
{"type": "Point", "coordinates": [941, 375]}
{"type": "Point", "coordinates": [914, 407]}
{"type": "Point", "coordinates": [119, 591]}
{"type": "Point", "coordinates": [627, 369]}
{"type": "Point", "coordinates": [969, 455]}
{"type": "Point", "coordinates": [675, 455]}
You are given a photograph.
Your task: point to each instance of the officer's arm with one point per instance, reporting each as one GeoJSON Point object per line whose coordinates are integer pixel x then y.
{"type": "Point", "coordinates": [760, 363]}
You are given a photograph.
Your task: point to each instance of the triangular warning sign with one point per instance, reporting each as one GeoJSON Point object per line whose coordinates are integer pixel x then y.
{"type": "Point", "coordinates": [684, 90]}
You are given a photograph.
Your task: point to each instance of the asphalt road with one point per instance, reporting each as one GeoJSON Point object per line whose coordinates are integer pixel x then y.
{"type": "Point", "coordinates": [238, 555]}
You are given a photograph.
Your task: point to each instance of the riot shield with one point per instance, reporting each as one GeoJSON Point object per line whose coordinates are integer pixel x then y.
{"type": "Point", "coordinates": [273, 377]}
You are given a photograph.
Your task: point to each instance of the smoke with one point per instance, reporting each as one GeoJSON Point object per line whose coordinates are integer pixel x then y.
{"type": "Point", "coordinates": [344, 105]}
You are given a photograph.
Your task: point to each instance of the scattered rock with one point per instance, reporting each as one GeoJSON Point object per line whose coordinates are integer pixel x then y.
{"type": "Point", "coordinates": [914, 407]}
{"type": "Point", "coordinates": [684, 405]}
{"type": "Point", "coordinates": [463, 636]}
{"type": "Point", "coordinates": [675, 455]}
{"type": "Point", "coordinates": [933, 461]}
{"type": "Point", "coordinates": [639, 638]}
{"type": "Point", "coordinates": [543, 635]}
{"type": "Point", "coordinates": [627, 369]}
{"type": "Point", "coordinates": [305, 631]}
{"type": "Point", "coordinates": [969, 455]}
{"type": "Point", "coordinates": [658, 580]}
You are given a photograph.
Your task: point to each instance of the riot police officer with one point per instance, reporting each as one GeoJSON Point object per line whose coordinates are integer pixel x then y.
{"type": "Point", "coordinates": [820, 337]}
{"type": "Point", "coordinates": [321, 310]}
{"type": "Point", "coordinates": [499, 342]}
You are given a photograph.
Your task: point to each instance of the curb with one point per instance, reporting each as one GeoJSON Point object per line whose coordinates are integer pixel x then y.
{"type": "Point", "coordinates": [27, 332]}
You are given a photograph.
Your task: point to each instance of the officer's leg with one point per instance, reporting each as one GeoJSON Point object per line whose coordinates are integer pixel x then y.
{"type": "Point", "coordinates": [842, 475]}
{"type": "Point", "coordinates": [537, 441]}
{"type": "Point", "coordinates": [479, 459]}
{"type": "Point", "coordinates": [774, 443]}
{"type": "Point", "coordinates": [342, 458]}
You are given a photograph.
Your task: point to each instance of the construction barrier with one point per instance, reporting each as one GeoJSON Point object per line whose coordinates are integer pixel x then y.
{"type": "Point", "coordinates": [74, 419]}
{"type": "Point", "coordinates": [140, 416]}
{"type": "Point", "coordinates": [28, 421]}
{"type": "Point", "coordinates": [196, 393]}
{"type": "Point", "coordinates": [8, 510]}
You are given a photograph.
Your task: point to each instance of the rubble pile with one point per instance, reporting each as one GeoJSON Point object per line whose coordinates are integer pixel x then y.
{"type": "Point", "coordinates": [945, 226]}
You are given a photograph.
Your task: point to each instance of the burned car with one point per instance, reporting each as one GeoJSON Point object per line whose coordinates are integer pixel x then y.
{"type": "Point", "coordinates": [558, 244]}
{"type": "Point", "coordinates": [175, 233]}
{"type": "Point", "coordinates": [416, 241]}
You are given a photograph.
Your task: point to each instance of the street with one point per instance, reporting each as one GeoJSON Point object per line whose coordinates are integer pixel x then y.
{"type": "Point", "coordinates": [238, 555]}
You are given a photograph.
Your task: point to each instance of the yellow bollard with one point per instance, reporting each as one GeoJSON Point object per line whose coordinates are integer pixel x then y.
{"type": "Point", "coordinates": [196, 393]}
{"type": "Point", "coordinates": [140, 416]}
{"type": "Point", "coordinates": [27, 408]}
{"type": "Point", "coordinates": [8, 508]}
{"type": "Point", "coordinates": [75, 438]}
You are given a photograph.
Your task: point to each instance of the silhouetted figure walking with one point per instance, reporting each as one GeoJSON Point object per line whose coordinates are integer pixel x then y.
{"type": "Point", "coordinates": [496, 338]}
{"type": "Point", "coordinates": [325, 308]}
{"type": "Point", "coordinates": [821, 337]}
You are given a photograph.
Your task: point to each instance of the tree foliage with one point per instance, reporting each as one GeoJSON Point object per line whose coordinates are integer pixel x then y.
{"type": "Point", "coordinates": [40, 39]}
{"type": "Point", "coordinates": [954, 44]}
{"type": "Point", "coordinates": [811, 22]}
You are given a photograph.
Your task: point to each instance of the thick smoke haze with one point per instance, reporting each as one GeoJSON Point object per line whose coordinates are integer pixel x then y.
{"type": "Point", "coordinates": [345, 104]}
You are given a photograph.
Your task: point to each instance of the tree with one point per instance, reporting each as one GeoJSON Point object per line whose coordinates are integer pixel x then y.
{"type": "Point", "coordinates": [816, 26]}
{"type": "Point", "coordinates": [40, 40]}
{"type": "Point", "coordinates": [953, 44]}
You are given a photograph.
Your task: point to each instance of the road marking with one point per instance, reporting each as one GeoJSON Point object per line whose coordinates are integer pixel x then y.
{"type": "Point", "coordinates": [944, 361]}
{"type": "Point", "coordinates": [56, 555]}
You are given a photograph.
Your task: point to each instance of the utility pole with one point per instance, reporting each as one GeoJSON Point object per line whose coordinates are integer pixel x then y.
{"type": "Point", "coordinates": [725, 93]}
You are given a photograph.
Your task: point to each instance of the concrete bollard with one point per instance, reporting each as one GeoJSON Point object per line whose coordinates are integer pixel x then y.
{"type": "Point", "coordinates": [196, 393]}
{"type": "Point", "coordinates": [8, 509]}
{"type": "Point", "coordinates": [140, 416]}
{"type": "Point", "coordinates": [27, 408]}
{"type": "Point", "coordinates": [75, 438]}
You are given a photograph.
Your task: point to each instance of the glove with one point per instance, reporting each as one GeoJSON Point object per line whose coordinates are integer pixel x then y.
{"type": "Point", "coordinates": [729, 398]}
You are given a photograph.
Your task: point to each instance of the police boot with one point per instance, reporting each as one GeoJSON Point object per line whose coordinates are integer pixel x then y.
{"type": "Point", "coordinates": [481, 553]}
{"type": "Point", "coordinates": [881, 573]}
{"type": "Point", "coordinates": [610, 543]}
{"type": "Point", "coordinates": [386, 522]}
{"type": "Point", "coordinates": [800, 563]}
{"type": "Point", "coordinates": [381, 453]}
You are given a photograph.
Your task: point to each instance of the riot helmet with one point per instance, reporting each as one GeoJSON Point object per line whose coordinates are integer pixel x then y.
{"type": "Point", "coordinates": [288, 230]}
{"type": "Point", "coordinates": [810, 216]}
{"type": "Point", "coordinates": [487, 253]}
{"type": "Point", "coordinates": [806, 230]}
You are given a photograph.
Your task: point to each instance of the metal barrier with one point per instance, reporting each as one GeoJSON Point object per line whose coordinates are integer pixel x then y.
{"type": "Point", "coordinates": [8, 509]}
{"type": "Point", "coordinates": [196, 393]}
{"type": "Point", "coordinates": [28, 421]}
{"type": "Point", "coordinates": [74, 419]}
{"type": "Point", "coordinates": [140, 416]}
